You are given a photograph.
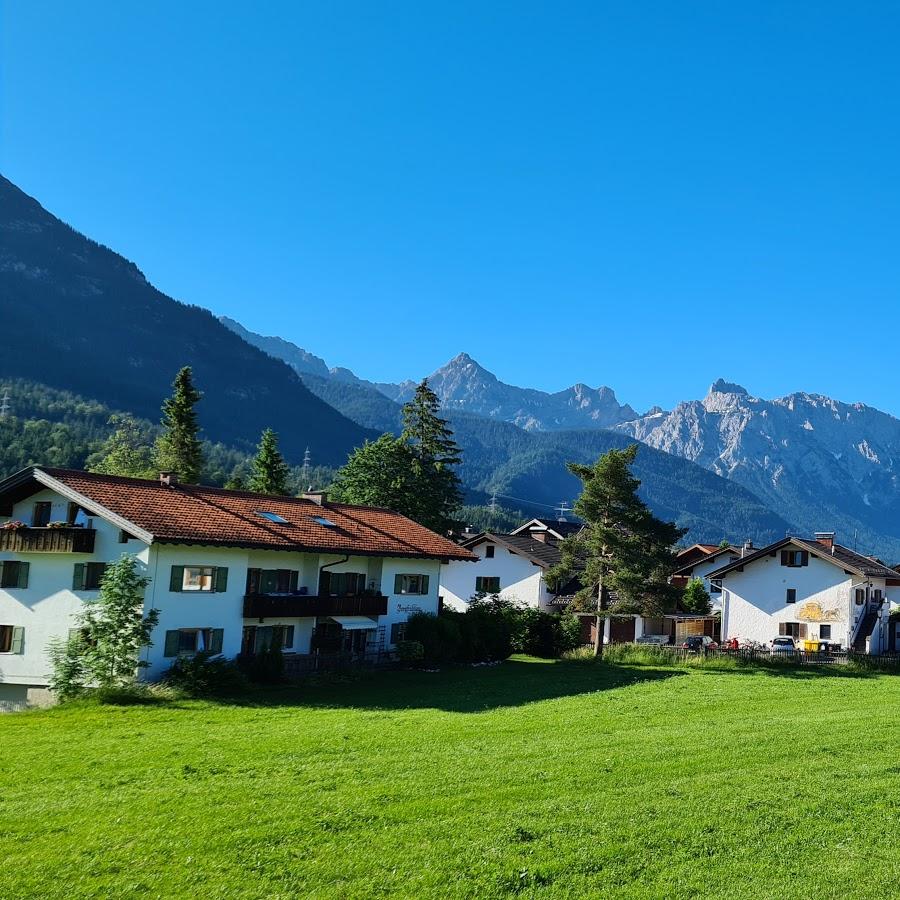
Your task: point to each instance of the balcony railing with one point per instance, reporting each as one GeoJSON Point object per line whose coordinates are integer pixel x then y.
{"type": "Point", "coordinates": [47, 540]}
{"type": "Point", "coordinates": [263, 606]}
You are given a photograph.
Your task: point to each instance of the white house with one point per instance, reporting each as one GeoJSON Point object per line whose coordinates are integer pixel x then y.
{"type": "Point", "coordinates": [513, 566]}
{"type": "Point", "coordinates": [813, 589]}
{"type": "Point", "coordinates": [226, 569]}
{"type": "Point", "coordinates": [700, 560]}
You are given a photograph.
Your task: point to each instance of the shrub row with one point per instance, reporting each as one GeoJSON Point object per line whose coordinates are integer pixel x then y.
{"type": "Point", "coordinates": [491, 629]}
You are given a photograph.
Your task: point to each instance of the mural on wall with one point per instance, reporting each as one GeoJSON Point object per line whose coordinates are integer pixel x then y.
{"type": "Point", "coordinates": [813, 611]}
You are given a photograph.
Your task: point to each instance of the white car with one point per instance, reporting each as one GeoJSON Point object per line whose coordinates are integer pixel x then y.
{"type": "Point", "coordinates": [784, 644]}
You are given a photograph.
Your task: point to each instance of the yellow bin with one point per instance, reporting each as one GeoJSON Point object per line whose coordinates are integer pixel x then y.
{"type": "Point", "coordinates": [809, 645]}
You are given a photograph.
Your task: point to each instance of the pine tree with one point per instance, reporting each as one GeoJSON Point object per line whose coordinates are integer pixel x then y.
{"type": "Point", "coordinates": [438, 493]}
{"type": "Point", "coordinates": [126, 451]}
{"type": "Point", "coordinates": [623, 547]}
{"type": "Point", "coordinates": [380, 473]}
{"type": "Point", "coordinates": [695, 598]}
{"type": "Point", "coordinates": [178, 448]}
{"type": "Point", "coordinates": [270, 472]}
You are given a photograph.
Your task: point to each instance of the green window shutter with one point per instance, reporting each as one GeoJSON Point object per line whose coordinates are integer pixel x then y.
{"type": "Point", "coordinates": [398, 584]}
{"type": "Point", "coordinates": [18, 640]}
{"type": "Point", "coordinates": [221, 578]}
{"type": "Point", "coordinates": [23, 574]}
{"type": "Point", "coordinates": [215, 640]}
{"type": "Point", "coordinates": [294, 578]}
{"type": "Point", "coordinates": [78, 577]}
{"type": "Point", "coordinates": [425, 584]}
{"type": "Point", "coordinates": [324, 584]}
{"type": "Point", "coordinates": [172, 641]}
{"type": "Point", "coordinates": [175, 583]}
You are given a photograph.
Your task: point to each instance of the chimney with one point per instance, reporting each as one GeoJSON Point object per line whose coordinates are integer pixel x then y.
{"type": "Point", "coordinates": [826, 539]}
{"type": "Point", "coordinates": [320, 498]}
{"type": "Point", "coordinates": [168, 479]}
{"type": "Point", "coordinates": [746, 548]}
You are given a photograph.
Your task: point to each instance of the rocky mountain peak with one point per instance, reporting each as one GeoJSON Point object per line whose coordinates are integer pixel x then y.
{"type": "Point", "coordinates": [721, 386]}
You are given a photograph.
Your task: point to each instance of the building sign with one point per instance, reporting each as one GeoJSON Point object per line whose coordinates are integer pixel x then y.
{"type": "Point", "coordinates": [409, 608]}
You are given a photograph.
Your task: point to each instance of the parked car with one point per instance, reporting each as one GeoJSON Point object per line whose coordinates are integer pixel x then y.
{"type": "Point", "coordinates": [697, 643]}
{"type": "Point", "coordinates": [784, 644]}
{"type": "Point", "coordinates": [658, 639]}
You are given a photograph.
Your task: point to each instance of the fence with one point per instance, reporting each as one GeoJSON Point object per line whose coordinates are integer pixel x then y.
{"type": "Point", "coordinates": [299, 665]}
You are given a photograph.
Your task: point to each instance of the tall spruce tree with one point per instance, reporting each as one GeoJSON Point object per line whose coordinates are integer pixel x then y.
{"type": "Point", "coordinates": [435, 455]}
{"type": "Point", "coordinates": [623, 547]}
{"type": "Point", "coordinates": [178, 448]}
{"type": "Point", "coordinates": [270, 472]}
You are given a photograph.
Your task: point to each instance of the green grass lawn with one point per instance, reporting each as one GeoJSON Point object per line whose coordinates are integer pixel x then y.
{"type": "Point", "coordinates": [545, 779]}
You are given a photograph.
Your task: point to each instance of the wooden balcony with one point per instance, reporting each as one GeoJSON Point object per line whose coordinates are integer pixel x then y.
{"type": "Point", "coordinates": [47, 540]}
{"type": "Point", "coordinates": [263, 606]}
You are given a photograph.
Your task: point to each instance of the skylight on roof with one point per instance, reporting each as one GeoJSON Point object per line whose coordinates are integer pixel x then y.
{"type": "Point", "coordinates": [323, 521]}
{"type": "Point", "coordinates": [272, 517]}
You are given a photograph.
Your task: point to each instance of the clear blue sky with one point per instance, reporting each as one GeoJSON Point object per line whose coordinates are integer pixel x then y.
{"type": "Point", "coordinates": [646, 195]}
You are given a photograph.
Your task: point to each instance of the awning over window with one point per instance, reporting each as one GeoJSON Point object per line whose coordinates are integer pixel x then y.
{"type": "Point", "coordinates": [355, 623]}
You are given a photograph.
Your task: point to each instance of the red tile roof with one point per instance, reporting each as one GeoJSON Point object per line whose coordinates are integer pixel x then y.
{"type": "Point", "coordinates": [213, 516]}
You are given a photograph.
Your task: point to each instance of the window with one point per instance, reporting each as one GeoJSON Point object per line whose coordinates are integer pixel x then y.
{"type": "Point", "coordinates": [489, 551]}
{"type": "Point", "coordinates": [11, 639]}
{"type": "Point", "coordinates": [876, 596]}
{"type": "Point", "coordinates": [88, 576]}
{"type": "Point", "coordinates": [272, 581]}
{"type": "Point", "coordinates": [791, 595]}
{"type": "Point", "coordinates": [321, 520]}
{"type": "Point", "coordinates": [411, 584]}
{"type": "Point", "coordinates": [485, 585]}
{"type": "Point", "coordinates": [824, 632]}
{"type": "Point", "coordinates": [14, 574]}
{"type": "Point", "coordinates": [199, 578]}
{"type": "Point", "coordinates": [792, 629]}
{"type": "Point", "coordinates": [860, 596]}
{"type": "Point", "coordinates": [341, 584]}
{"type": "Point", "coordinates": [260, 637]}
{"type": "Point", "coordinates": [124, 537]}
{"type": "Point", "coordinates": [795, 558]}
{"type": "Point", "coordinates": [40, 518]}
{"type": "Point", "coordinates": [398, 632]}
{"type": "Point", "coordinates": [273, 517]}
{"type": "Point", "coordinates": [188, 641]}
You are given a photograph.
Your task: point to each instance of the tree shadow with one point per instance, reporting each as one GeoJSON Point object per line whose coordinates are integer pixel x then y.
{"type": "Point", "coordinates": [796, 672]}
{"type": "Point", "coordinates": [465, 689]}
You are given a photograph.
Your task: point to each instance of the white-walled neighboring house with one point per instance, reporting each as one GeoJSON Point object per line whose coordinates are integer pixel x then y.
{"type": "Point", "coordinates": [226, 568]}
{"type": "Point", "coordinates": [809, 589]}
{"type": "Point", "coordinates": [703, 563]}
{"type": "Point", "coordinates": [513, 566]}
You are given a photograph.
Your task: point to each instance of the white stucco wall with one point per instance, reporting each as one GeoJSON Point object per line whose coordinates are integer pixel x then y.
{"type": "Point", "coordinates": [48, 607]}
{"type": "Point", "coordinates": [754, 599]}
{"type": "Point", "coordinates": [521, 581]}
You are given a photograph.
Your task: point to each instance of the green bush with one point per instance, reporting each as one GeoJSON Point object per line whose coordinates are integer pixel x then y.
{"type": "Point", "coordinates": [439, 636]}
{"type": "Point", "coordinates": [266, 666]}
{"type": "Point", "coordinates": [205, 675]}
{"type": "Point", "coordinates": [410, 651]}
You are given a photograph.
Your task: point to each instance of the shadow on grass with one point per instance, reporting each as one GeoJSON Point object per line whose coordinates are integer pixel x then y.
{"type": "Point", "coordinates": [515, 682]}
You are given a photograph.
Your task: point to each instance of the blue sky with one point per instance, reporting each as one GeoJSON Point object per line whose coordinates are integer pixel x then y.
{"type": "Point", "coordinates": [645, 195]}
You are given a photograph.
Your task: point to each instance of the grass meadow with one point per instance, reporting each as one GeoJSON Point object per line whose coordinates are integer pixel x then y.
{"type": "Point", "coordinates": [532, 779]}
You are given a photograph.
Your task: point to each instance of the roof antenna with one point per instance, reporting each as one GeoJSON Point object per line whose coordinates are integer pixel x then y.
{"type": "Point", "coordinates": [561, 510]}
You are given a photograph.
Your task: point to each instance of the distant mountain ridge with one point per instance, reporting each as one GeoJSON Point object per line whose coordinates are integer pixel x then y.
{"type": "Point", "coordinates": [462, 384]}
{"type": "Point", "coordinates": [79, 317]}
{"type": "Point", "coordinates": [817, 462]}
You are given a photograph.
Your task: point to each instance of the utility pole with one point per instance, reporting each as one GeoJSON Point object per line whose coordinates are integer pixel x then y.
{"type": "Point", "coordinates": [304, 471]}
{"type": "Point", "coordinates": [561, 511]}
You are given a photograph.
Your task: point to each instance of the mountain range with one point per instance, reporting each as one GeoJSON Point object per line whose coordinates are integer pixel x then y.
{"type": "Point", "coordinates": [819, 463]}
{"type": "Point", "coordinates": [79, 318]}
